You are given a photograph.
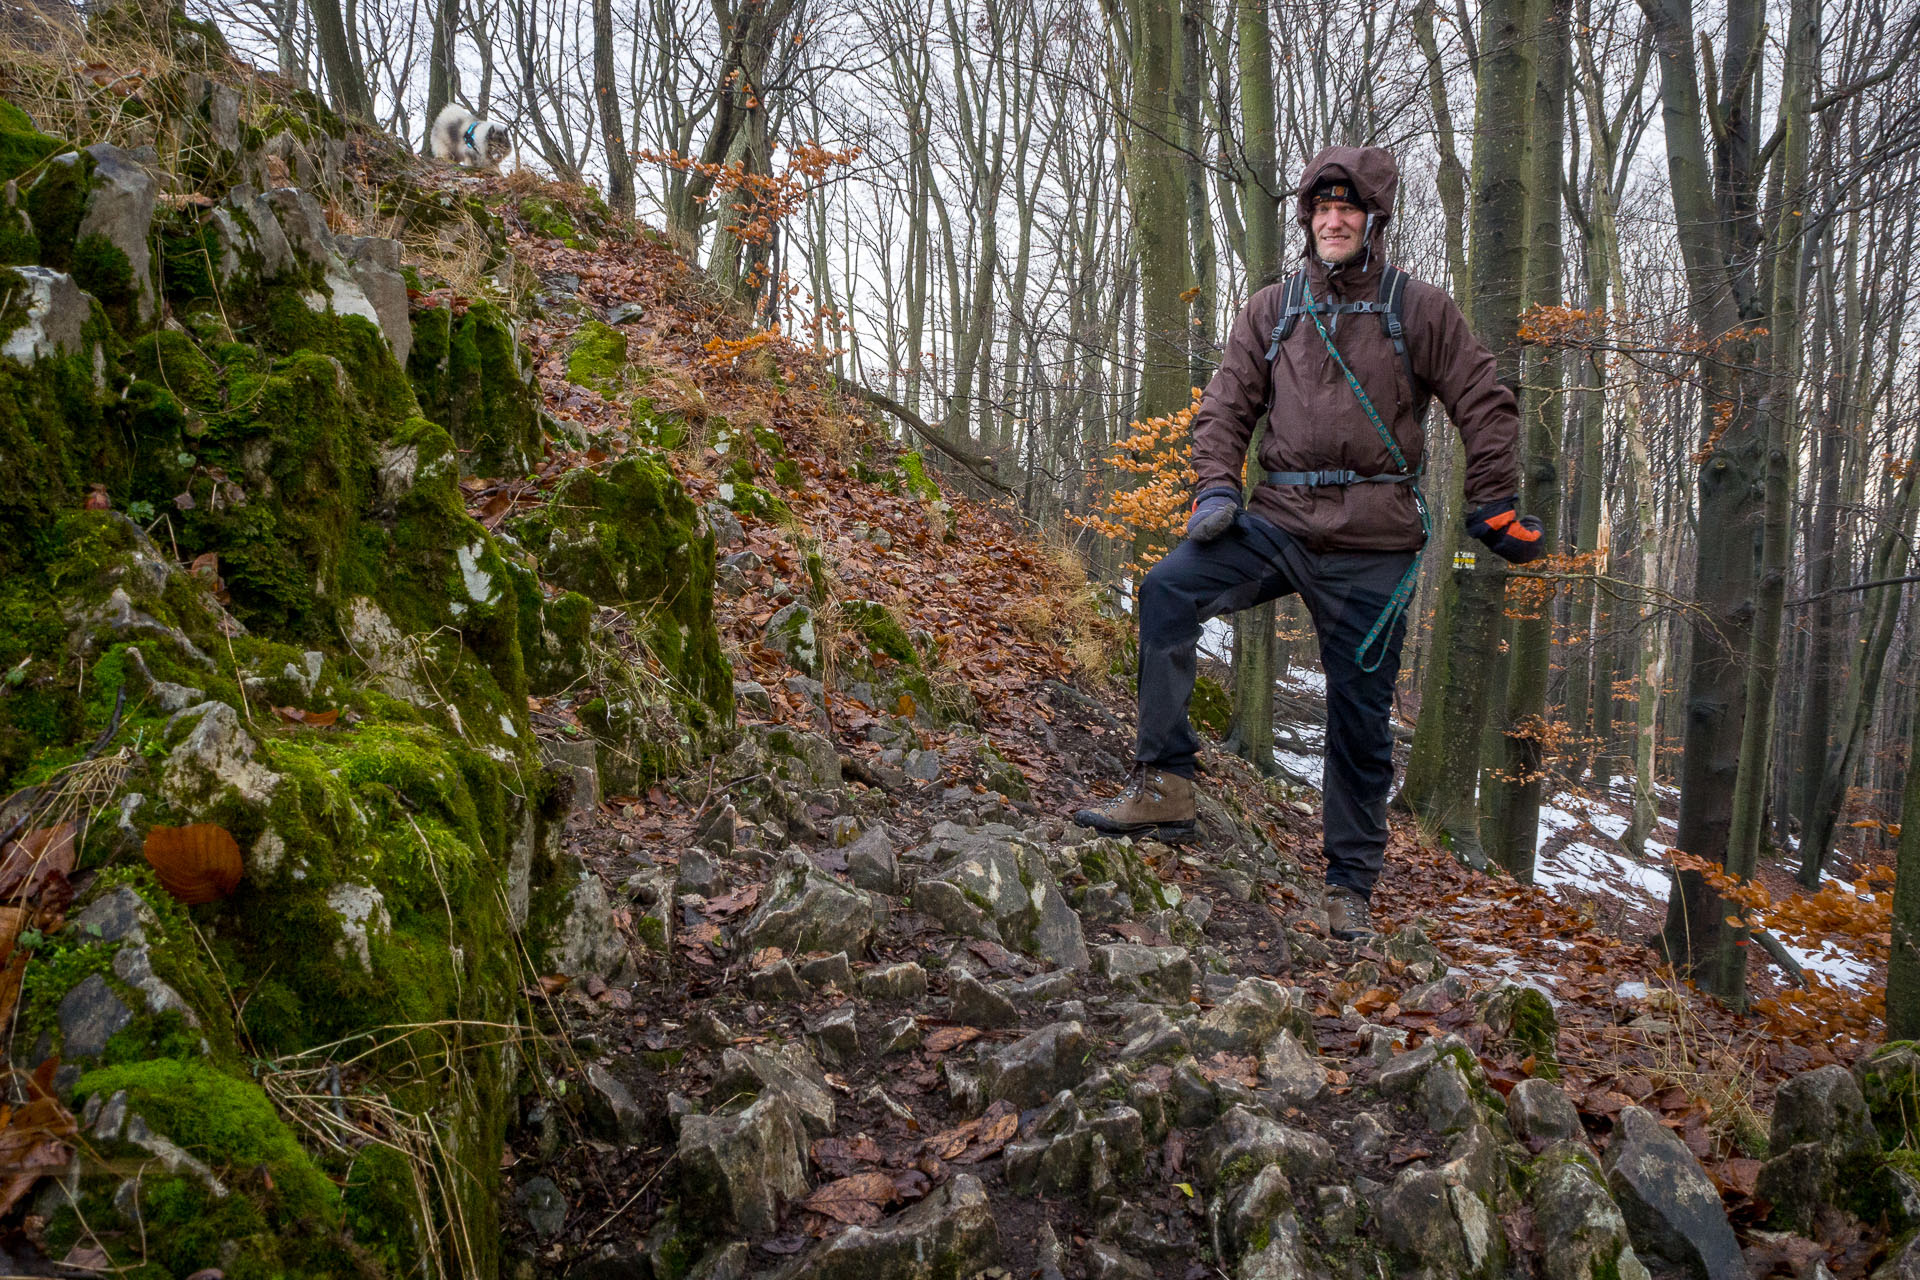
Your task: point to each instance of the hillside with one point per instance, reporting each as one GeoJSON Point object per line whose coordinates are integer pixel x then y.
{"type": "Point", "coordinates": [512, 773]}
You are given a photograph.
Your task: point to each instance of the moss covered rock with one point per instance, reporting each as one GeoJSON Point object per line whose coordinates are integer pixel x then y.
{"type": "Point", "coordinates": [472, 377]}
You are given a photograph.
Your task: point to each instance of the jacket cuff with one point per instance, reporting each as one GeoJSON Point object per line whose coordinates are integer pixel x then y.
{"type": "Point", "coordinates": [1218, 491]}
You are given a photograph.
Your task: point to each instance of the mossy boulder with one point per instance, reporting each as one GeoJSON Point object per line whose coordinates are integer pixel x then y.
{"type": "Point", "coordinates": [22, 147]}
{"type": "Point", "coordinates": [597, 358]}
{"type": "Point", "coordinates": [881, 630]}
{"type": "Point", "coordinates": [1211, 708]}
{"type": "Point", "coordinates": [472, 376]}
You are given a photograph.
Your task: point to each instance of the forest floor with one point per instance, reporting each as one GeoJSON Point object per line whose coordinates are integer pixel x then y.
{"type": "Point", "coordinates": [1018, 629]}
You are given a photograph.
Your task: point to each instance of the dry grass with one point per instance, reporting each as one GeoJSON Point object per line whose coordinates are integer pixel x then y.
{"type": "Point", "coordinates": [1069, 610]}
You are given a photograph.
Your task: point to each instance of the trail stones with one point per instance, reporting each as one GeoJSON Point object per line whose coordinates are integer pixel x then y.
{"type": "Point", "coordinates": [806, 910]}
{"type": "Point", "coordinates": [791, 633]}
{"type": "Point", "coordinates": [542, 1205]}
{"type": "Point", "coordinates": [1824, 1146]}
{"type": "Point", "coordinates": [1432, 1221]}
{"type": "Point", "coordinates": [1244, 1140]}
{"type": "Point", "coordinates": [1539, 1112]}
{"type": "Point", "coordinates": [871, 863]}
{"type": "Point", "coordinates": [1036, 1067]}
{"type": "Point", "coordinates": [998, 888]}
{"type": "Point", "coordinates": [947, 1236]}
{"type": "Point", "coordinates": [739, 1169]}
{"type": "Point", "coordinates": [1158, 973]}
{"type": "Point", "coordinates": [611, 1107]}
{"type": "Point", "coordinates": [977, 1005]}
{"type": "Point", "coordinates": [785, 1070]}
{"type": "Point", "coordinates": [1294, 1078]}
{"type": "Point", "coordinates": [907, 981]}
{"type": "Point", "coordinates": [1582, 1233]}
{"type": "Point", "coordinates": [1670, 1205]}
{"type": "Point", "coordinates": [1249, 1016]}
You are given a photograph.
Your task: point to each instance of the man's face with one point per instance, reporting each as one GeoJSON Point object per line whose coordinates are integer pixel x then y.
{"type": "Point", "coordinates": [1339, 230]}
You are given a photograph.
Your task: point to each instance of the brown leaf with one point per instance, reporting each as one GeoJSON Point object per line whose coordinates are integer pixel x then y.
{"type": "Point", "coordinates": [36, 857]}
{"type": "Point", "coordinates": [996, 1129]}
{"type": "Point", "coordinates": [842, 1157]}
{"type": "Point", "coordinates": [733, 903]}
{"type": "Point", "coordinates": [942, 1039]}
{"type": "Point", "coordinates": [1737, 1176]}
{"type": "Point", "coordinates": [1373, 1000]}
{"type": "Point", "coordinates": [1228, 1066]}
{"type": "Point", "coordinates": [857, 1199]}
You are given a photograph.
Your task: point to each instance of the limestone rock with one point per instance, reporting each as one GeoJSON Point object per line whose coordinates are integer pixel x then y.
{"type": "Point", "coordinates": [1539, 1113]}
{"type": "Point", "coordinates": [1582, 1234]}
{"type": "Point", "coordinates": [584, 938]}
{"type": "Point", "coordinates": [791, 632]}
{"type": "Point", "coordinates": [806, 910]}
{"type": "Point", "coordinates": [215, 758]}
{"type": "Point", "coordinates": [1294, 1077]}
{"type": "Point", "coordinates": [1036, 1067]}
{"type": "Point", "coordinates": [788, 1071]}
{"type": "Point", "coordinates": [542, 1205]}
{"type": "Point", "coordinates": [999, 888]}
{"type": "Point", "coordinates": [1244, 1141]}
{"type": "Point", "coordinates": [738, 1169]}
{"type": "Point", "coordinates": [120, 210]}
{"type": "Point", "coordinates": [906, 981]}
{"type": "Point", "coordinates": [828, 971]}
{"type": "Point", "coordinates": [871, 863]}
{"type": "Point", "coordinates": [362, 911]}
{"type": "Point", "coordinates": [90, 1015]}
{"type": "Point", "coordinates": [950, 1235]}
{"type": "Point", "coordinates": [55, 314]}
{"type": "Point", "coordinates": [1158, 973]}
{"type": "Point", "coordinates": [611, 1108]}
{"type": "Point", "coordinates": [1249, 1016]}
{"type": "Point", "coordinates": [838, 1036]}
{"type": "Point", "coordinates": [977, 1005]}
{"type": "Point", "coordinates": [1670, 1205]}
{"type": "Point", "coordinates": [1441, 1227]}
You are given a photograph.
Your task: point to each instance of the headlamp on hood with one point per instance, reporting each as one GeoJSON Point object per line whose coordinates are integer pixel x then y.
{"type": "Point", "coordinates": [1336, 190]}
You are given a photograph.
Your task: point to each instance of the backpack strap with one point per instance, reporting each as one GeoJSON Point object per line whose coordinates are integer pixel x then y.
{"type": "Point", "coordinates": [1393, 295]}
{"type": "Point", "coordinates": [1293, 303]}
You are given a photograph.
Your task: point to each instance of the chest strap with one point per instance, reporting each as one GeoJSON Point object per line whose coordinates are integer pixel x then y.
{"type": "Point", "coordinates": [1317, 478]}
{"type": "Point", "coordinates": [469, 138]}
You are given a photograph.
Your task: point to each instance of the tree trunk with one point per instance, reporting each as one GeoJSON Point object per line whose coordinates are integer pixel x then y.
{"type": "Point", "coordinates": [336, 56]}
{"type": "Point", "coordinates": [1903, 962]}
{"type": "Point", "coordinates": [1542, 419]}
{"type": "Point", "coordinates": [1156, 188]}
{"type": "Point", "coordinates": [443, 68]}
{"type": "Point", "coordinates": [619, 160]}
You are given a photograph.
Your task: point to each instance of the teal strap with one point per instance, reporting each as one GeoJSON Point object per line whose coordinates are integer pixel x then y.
{"type": "Point", "coordinates": [1403, 593]}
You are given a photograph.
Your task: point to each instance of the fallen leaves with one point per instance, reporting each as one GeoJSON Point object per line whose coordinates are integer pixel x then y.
{"type": "Point", "coordinates": [311, 719]}
{"type": "Point", "coordinates": [857, 1200]}
{"type": "Point", "coordinates": [976, 1140]}
{"type": "Point", "coordinates": [946, 1039]}
{"type": "Point", "coordinates": [30, 863]}
{"type": "Point", "coordinates": [1229, 1066]}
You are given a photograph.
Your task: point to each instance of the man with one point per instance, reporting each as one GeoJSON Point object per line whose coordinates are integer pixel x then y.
{"type": "Point", "coordinates": [1336, 517]}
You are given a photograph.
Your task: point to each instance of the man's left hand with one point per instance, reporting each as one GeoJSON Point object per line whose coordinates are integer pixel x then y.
{"type": "Point", "coordinates": [1514, 538]}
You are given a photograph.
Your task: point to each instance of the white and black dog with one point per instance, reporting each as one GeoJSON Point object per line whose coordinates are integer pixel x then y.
{"type": "Point", "coordinates": [458, 135]}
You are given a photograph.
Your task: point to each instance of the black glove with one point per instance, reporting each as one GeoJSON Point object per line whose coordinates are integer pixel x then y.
{"type": "Point", "coordinates": [1213, 513]}
{"type": "Point", "coordinates": [1515, 539]}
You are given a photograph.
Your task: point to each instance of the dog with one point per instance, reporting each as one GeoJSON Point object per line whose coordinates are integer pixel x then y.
{"type": "Point", "coordinates": [458, 135]}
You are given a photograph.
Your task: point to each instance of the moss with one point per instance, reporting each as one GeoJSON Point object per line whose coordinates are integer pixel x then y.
{"type": "Point", "coordinates": [103, 270]}
{"type": "Point", "coordinates": [56, 202]}
{"type": "Point", "coordinates": [1523, 1018]}
{"type": "Point", "coordinates": [548, 218]}
{"type": "Point", "coordinates": [1211, 708]}
{"type": "Point", "coordinates": [654, 428]}
{"type": "Point", "coordinates": [752, 500]}
{"type": "Point", "coordinates": [472, 377]}
{"type": "Point", "coordinates": [287, 1220]}
{"type": "Point", "coordinates": [22, 147]}
{"type": "Point", "coordinates": [919, 484]}
{"type": "Point", "coordinates": [882, 631]}
{"type": "Point", "coordinates": [597, 358]}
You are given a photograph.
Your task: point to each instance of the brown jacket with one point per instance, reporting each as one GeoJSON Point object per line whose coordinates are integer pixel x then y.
{"type": "Point", "coordinates": [1316, 421]}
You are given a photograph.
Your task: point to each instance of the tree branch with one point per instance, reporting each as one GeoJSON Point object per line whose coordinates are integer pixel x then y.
{"type": "Point", "coordinates": [979, 466]}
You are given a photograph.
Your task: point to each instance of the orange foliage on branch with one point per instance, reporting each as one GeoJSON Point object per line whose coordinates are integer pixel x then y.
{"type": "Point", "coordinates": [1150, 512]}
{"type": "Point", "coordinates": [761, 200]}
{"type": "Point", "coordinates": [1858, 916]}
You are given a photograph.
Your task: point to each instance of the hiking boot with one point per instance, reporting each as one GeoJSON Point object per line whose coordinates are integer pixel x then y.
{"type": "Point", "coordinates": [1156, 803]}
{"type": "Point", "coordinates": [1347, 917]}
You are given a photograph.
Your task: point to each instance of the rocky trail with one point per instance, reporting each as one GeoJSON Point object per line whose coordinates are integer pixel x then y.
{"type": "Point", "coordinates": [511, 773]}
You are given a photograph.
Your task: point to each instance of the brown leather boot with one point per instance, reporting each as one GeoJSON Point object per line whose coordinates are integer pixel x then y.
{"type": "Point", "coordinates": [1156, 803]}
{"type": "Point", "coordinates": [1347, 916]}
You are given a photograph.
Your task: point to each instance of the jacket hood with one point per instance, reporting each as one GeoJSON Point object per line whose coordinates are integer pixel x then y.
{"type": "Point", "coordinates": [1373, 173]}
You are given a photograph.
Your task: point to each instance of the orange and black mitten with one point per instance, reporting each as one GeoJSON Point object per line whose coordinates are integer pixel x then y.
{"type": "Point", "coordinates": [1515, 539]}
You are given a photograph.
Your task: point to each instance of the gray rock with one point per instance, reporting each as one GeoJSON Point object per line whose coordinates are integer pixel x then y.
{"type": "Point", "coordinates": [779, 982]}
{"type": "Point", "coordinates": [925, 766]}
{"type": "Point", "coordinates": [805, 910]}
{"type": "Point", "coordinates": [117, 915]}
{"type": "Point", "coordinates": [1249, 1016]}
{"type": "Point", "coordinates": [1110, 1262]}
{"type": "Point", "coordinates": [172, 1157]}
{"type": "Point", "coordinates": [1670, 1205]}
{"type": "Point", "coordinates": [1447, 1097]}
{"type": "Point", "coordinates": [1158, 973]}
{"type": "Point", "coordinates": [977, 1005]}
{"type": "Point", "coordinates": [1244, 1139]}
{"type": "Point", "coordinates": [902, 1035]}
{"type": "Point", "coordinates": [90, 1015]}
{"type": "Point", "coordinates": [624, 312]}
{"type": "Point", "coordinates": [1582, 1234]}
{"type": "Point", "coordinates": [1402, 1075]}
{"type": "Point", "coordinates": [1433, 1222]}
{"type": "Point", "coordinates": [1036, 1067]}
{"type": "Point", "coordinates": [373, 267]}
{"type": "Point", "coordinates": [133, 965]}
{"type": "Point", "coordinates": [838, 1036]}
{"type": "Point", "coordinates": [699, 872]}
{"type": "Point", "coordinates": [215, 759]}
{"type": "Point", "coordinates": [727, 531]}
{"type": "Point", "coordinates": [1236, 1217]}
{"type": "Point", "coordinates": [996, 885]}
{"type": "Point", "coordinates": [611, 1108]}
{"type": "Point", "coordinates": [1370, 1136]}
{"type": "Point", "coordinates": [828, 971]}
{"type": "Point", "coordinates": [1294, 1077]}
{"type": "Point", "coordinates": [542, 1205]}
{"type": "Point", "coordinates": [1284, 1256]}
{"type": "Point", "coordinates": [753, 696]}
{"type": "Point", "coordinates": [949, 1235]}
{"type": "Point", "coordinates": [1825, 1106]}
{"type": "Point", "coordinates": [120, 209]}
{"type": "Point", "coordinates": [792, 633]}
{"type": "Point", "coordinates": [738, 1170]}
{"type": "Point", "coordinates": [578, 760]}
{"type": "Point", "coordinates": [907, 981]}
{"type": "Point", "coordinates": [871, 863]}
{"type": "Point", "coordinates": [583, 939]}
{"type": "Point", "coordinates": [52, 319]}
{"type": "Point", "coordinates": [786, 1070]}
{"type": "Point", "coordinates": [1540, 1113]}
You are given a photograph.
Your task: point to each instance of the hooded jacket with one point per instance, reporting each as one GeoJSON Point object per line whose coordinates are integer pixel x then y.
{"type": "Point", "coordinates": [1316, 422]}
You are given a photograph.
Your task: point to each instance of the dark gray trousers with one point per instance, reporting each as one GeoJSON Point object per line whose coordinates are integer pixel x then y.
{"type": "Point", "coordinates": [1344, 592]}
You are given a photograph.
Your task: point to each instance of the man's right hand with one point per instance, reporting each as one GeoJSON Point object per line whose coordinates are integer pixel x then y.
{"type": "Point", "coordinates": [1515, 539]}
{"type": "Point", "coordinates": [1213, 513]}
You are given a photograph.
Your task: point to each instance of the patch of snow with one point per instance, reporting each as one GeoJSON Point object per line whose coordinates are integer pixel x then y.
{"type": "Point", "coordinates": [1306, 678]}
{"type": "Point", "coordinates": [1631, 991]}
{"type": "Point", "coordinates": [1595, 870]}
{"type": "Point", "coordinates": [1306, 768]}
{"type": "Point", "coordinates": [1216, 638]}
{"type": "Point", "coordinates": [1833, 962]}
{"type": "Point", "coordinates": [1610, 825]}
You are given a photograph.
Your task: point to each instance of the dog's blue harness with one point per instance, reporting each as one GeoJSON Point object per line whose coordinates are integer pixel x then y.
{"type": "Point", "coordinates": [469, 137]}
